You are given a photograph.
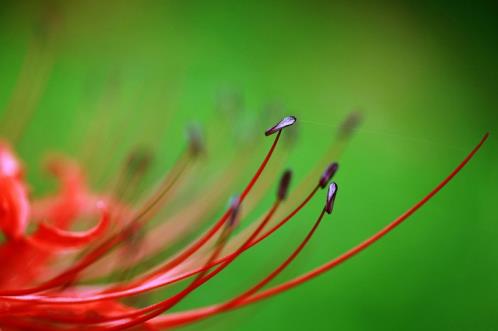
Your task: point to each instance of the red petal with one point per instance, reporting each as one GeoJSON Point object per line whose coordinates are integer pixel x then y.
{"type": "Point", "coordinates": [53, 237]}
{"type": "Point", "coordinates": [14, 207]}
{"type": "Point", "coordinates": [9, 165]}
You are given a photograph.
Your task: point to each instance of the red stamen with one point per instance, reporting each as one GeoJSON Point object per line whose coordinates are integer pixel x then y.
{"type": "Point", "coordinates": [106, 246]}
{"type": "Point", "coordinates": [260, 169]}
{"type": "Point", "coordinates": [240, 298]}
{"type": "Point", "coordinates": [279, 269]}
{"type": "Point", "coordinates": [188, 252]}
{"type": "Point", "coordinates": [103, 248]}
{"type": "Point", "coordinates": [200, 279]}
{"type": "Point", "coordinates": [169, 303]}
{"type": "Point", "coordinates": [139, 287]}
{"type": "Point", "coordinates": [116, 292]}
{"type": "Point", "coordinates": [365, 244]}
{"type": "Point", "coordinates": [128, 317]}
{"type": "Point", "coordinates": [196, 314]}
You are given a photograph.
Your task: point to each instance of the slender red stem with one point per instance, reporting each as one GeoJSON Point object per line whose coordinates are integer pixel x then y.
{"type": "Point", "coordinates": [261, 168]}
{"type": "Point", "coordinates": [279, 269]}
{"type": "Point", "coordinates": [240, 298]}
{"type": "Point", "coordinates": [115, 294]}
{"type": "Point", "coordinates": [197, 314]}
{"type": "Point", "coordinates": [169, 303]}
{"type": "Point", "coordinates": [156, 309]}
{"type": "Point", "coordinates": [251, 295]}
{"type": "Point", "coordinates": [188, 252]}
{"type": "Point", "coordinates": [223, 220]}
{"type": "Point", "coordinates": [159, 308]}
{"type": "Point", "coordinates": [365, 244]}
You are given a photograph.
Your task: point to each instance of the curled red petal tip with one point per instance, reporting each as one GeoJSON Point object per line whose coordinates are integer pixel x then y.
{"type": "Point", "coordinates": [331, 194]}
{"type": "Point", "coordinates": [285, 122]}
{"type": "Point", "coordinates": [55, 238]}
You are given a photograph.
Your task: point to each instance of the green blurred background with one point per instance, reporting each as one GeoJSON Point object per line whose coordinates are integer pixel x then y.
{"type": "Point", "coordinates": [424, 75]}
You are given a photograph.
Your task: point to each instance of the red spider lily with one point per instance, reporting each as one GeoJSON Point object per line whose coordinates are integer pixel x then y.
{"type": "Point", "coordinates": [37, 293]}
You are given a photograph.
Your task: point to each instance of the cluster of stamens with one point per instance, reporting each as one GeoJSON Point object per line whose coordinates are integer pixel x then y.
{"type": "Point", "coordinates": [62, 302]}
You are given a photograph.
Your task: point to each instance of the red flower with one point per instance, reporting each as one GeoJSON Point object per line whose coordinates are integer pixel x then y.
{"type": "Point", "coordinates": [39, 282]}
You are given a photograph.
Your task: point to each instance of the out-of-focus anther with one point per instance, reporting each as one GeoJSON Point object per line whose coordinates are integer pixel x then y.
{"type": "Point", "coordinates": [196, 140]}
{"type": "Point", "coordinates": [283, 188]}
{"type": "Point", "coordinates": [235, 210]}
{"type": "Point", "coordinates": [328, 174]}
{"type": "Point", "coordinates": [350, 124]}
{"type": "Point", "coordinates": [139, 160]}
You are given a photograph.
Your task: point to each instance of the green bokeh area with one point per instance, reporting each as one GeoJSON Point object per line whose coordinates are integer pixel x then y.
{"type": "Point", "coordinates": [423, 74]}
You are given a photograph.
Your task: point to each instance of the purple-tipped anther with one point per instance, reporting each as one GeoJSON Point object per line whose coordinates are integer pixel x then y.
{"type": "Point", "coordinates": [328, 174]}
{"type": "Point", "coordinates": [331, 194]}
{"type": "Point", "coordinates": [283, 188]}
{"type": "Point", "coordinates": [234, 210]}
{"type": "Point", "coordinates": [285, 122]}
